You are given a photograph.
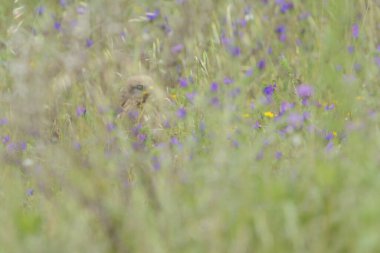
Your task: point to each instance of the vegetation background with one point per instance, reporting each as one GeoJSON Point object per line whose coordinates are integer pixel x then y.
{"type": "Point", "coordinates": [271, 143]}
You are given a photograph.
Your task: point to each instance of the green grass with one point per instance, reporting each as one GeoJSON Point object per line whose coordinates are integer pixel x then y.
{"type": "Point", "coordinates": [222, 184]}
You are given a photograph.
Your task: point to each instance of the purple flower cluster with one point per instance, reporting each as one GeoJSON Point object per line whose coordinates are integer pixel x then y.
{"type": "Point", "coordinates": [284, 5]}
{"type": "Point", "coordinates": [151, 16]}
{"type": "Point", "coordinates": [181, 113]}
{"type": "Point", "coordinates": [305, 91]}
{"type": "Point", "coordinates": [81, 111]}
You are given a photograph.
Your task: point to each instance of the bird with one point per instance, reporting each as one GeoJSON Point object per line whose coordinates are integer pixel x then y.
{"type": "Point", "coordinates": [144, 103]}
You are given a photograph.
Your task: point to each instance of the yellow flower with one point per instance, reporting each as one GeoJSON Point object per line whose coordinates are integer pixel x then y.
{"type": "Point", "coordinates": [269, 114]}
{"type": "Point", "coordinates": [245, 115]}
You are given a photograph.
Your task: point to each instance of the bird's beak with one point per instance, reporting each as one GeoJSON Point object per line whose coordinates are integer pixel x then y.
{"type": "Point", "coordinates": [147, 91]}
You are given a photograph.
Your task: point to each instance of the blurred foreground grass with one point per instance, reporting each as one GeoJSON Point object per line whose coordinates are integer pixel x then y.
{"type": "Point", "coordinates": [248, 162]}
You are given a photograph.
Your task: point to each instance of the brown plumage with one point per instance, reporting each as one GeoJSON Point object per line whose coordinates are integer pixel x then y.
{"type": "Point", "coordinates": [143, 99]}
{"type": "Point", "coordinates": [136, 93]}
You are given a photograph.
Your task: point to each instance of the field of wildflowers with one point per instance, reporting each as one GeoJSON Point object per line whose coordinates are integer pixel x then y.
{"type": "Point", "coordinates": [269, 143]}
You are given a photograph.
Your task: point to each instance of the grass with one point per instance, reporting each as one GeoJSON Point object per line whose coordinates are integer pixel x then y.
{"type": "Point", "coordinates": [241, 170]}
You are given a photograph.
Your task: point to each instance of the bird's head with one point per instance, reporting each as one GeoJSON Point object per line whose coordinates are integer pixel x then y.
{"type": "Point", "coordinates": [137, 90]}
{"type": "Point", "coordinates": [143, 96]}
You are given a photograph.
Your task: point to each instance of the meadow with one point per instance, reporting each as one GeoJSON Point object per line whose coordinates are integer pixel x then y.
{"type": "Point", "coordinates": [270, 142]}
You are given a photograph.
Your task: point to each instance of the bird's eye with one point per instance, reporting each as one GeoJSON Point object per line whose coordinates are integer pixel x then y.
{"type": "Point", "coordinates": [139, 87]}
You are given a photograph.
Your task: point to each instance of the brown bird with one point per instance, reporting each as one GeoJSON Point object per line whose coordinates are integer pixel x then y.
{"type": "Point", "coordinates": [144, 102]}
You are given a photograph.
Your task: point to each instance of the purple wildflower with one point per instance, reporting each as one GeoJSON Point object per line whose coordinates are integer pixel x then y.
{"type": "Point", "coordinates": [285, 106]}
{"type": "Point", "coordinates": [63, 3]}
{"type": "Point", "coordinates": [181, 113]}
{"type": "Point", "coordinates": [286, 6]}
{"type": "Point", "coordinates": [215, 101]}
{"type": "Point", "coordinates": [12, 147]}
{"type": "Point", "coordinates": [166, 28]}
{"type": "Point", "coordinates": [281, 29]}
{"type": "Point", "coordinates": [329, 136]}
{"type": "Point", "coordinates": [57, 26]}
{"type": "Point", "coordinates": [377, 60]}
{"type": "Point", "coordinates": [355, 31]}
{"type": "Point", "coordinates": [295, 120]}
{"type": "Point", "coordinates": [6, 139]}
{"type": "Point", "coordinates": [305, 91]}
{"type": "Point", "coordinates": [29, 192]}
{"type": "Point", "coordinates": [23, 146]}
{"type": "Point", "coordinates": [269, 90]}
{"type": "Point", "coordinates": [183, 82]}
{"type": "Point", "coordinates": [243, 22]}
{"type": "Point", "coordinates": [81, 111]}
{"type": "Point", "coordinates": [235, 51]}
{"type": "Point", "coordinates": [167, 124]}
{"type": "Point", "coordinates": [40, 10]}
{"type": "Point", "coordinates": [141, 138]}
{"type": "Point", "coordinates": [111, 126]}
{"type": "Point", "coordinates": [228, 80]}
{"type": "Point", "coordinates": [224, 40]}
{"type": "Point", "coordinates": [351, 49]}
{"type": "Point", "coordinates": [133, 115]}
{"type": "Point", "coordinates": [81, 10]}
{"type": "Point", "coordinates": [249, 72]}
{"type": "Point", "coordinates": [136, 129]}
{"type": "Point", "coordinates": [278, 155]}
{"type": "Point", "coordinates": [214, 87]}
{"type": "Point", "coordinates": [257, 125]}
{"type": "Point", "coordinates": [330, 107]}
{"type": "Point", "coordinates": [306, 115]}
{"type": "Point", "coordinates": [174, 141]}
{"type": "Point", "coordinates": [177, 48]}
{"type": "Point", "coordinates": [261, 64]}
{"type": "Point", "coordinates": [89, 43]}
{"type": "Point", "coordinates": [3, 121]}
{"type": "Point", "coordinates": [283, 37]}
{"type": "Point", "coordinates": [151, 16]}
